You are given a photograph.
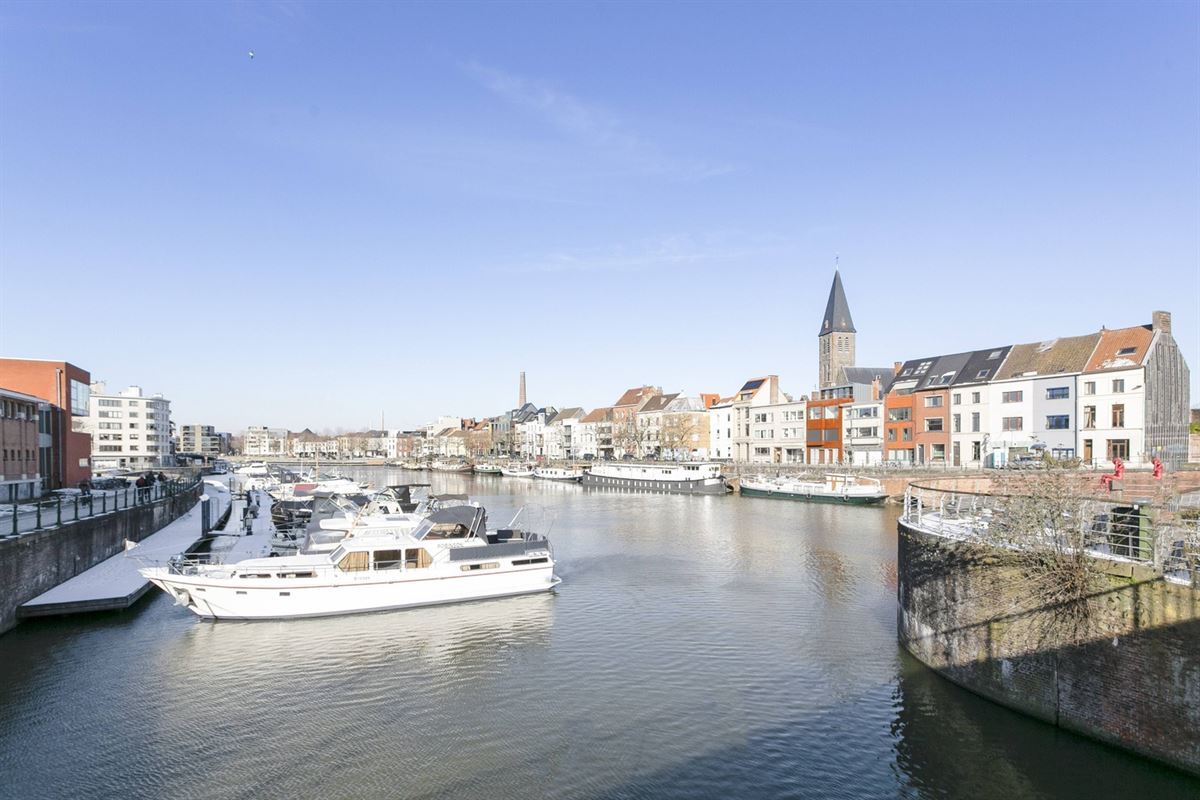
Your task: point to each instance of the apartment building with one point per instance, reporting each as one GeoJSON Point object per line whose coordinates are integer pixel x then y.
{"type": "Point", "coordinates": [130, 431]}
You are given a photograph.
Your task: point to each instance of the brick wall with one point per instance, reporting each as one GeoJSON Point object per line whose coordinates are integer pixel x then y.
{"type": "Point", "coordinates": [1133, 680]}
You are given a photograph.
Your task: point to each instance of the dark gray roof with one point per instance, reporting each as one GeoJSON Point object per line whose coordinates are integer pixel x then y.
{"type": "Point", "coordinates": [912, 370]}
{"type": "Point", "coordinates": [837, 310]}
{"type": "Point", "coordinates": [983, 365]}
{"type": "Point", "coordinates": [865, 374]}
{"type": "Point", "coordinates": [943, 372]}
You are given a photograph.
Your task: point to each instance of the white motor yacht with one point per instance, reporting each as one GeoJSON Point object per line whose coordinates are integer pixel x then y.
{"type": "Point", "coordinates": [449, 557]}
{"type": "Point", "coordinates": [517, 471]}
{"type": "Point", "coordinates": [848, 489]}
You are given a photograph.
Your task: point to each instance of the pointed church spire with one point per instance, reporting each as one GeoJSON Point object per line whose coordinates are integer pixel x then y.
{"type": "Point", "coordinates": [837, 310]}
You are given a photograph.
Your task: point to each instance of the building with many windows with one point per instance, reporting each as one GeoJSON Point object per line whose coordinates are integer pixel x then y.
{"type": "Point", "coordinates": [202, 440]}
{"type": "Point", "coordinates": [65, 459]}
{"type": "Point", "coordinates": [262, 442]}
{"type": "Point", "coordinates": [21, 444]}
{"type": "Point", "coordinates": [129, 430]}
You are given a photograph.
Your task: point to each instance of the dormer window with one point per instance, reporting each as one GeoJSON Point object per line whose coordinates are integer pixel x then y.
{"type": "Point", "coordinates": [992, 356]}
{"type": "Point", "coordinates": [983, 373]}
{"type": "Point", "coordinates": [1127, 351]}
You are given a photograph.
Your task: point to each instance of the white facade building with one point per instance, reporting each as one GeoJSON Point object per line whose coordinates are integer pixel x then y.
{"type": "Point", "coordinates": [263, 442]}
{"type": "Point", "coordinates": [862, 433]}
{"type": "Point", "coordinates": [129, 431]}
{"type": "Point", "coordinates": [720, 430]}
{"type": "Point", "coordinates": [778, 432]}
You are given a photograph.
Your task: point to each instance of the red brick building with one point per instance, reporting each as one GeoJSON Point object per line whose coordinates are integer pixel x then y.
{"type": "Point", "coordinates": [65, 388]}
{"type": "Point", "coordinates": [20, 448]}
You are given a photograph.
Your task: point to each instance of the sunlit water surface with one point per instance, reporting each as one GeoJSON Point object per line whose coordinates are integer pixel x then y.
{"type": "Point", "coordinates": [698, 647]}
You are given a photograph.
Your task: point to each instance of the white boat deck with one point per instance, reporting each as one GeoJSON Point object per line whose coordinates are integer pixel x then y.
{"type": "Point", "coordinates": [115, 582]}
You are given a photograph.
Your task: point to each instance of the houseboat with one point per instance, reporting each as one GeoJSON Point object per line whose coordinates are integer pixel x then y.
{"type": "Point", "coordinates": [517, 471]}
{"type": "Point", "coordinates": [449, 557]}
{"type": "Point", "coordinates": [682, 478]}
{"type": "Point", "coordinates": [558, 474]}
{"type": "Point", "coordinates": [487, 469]}
{"type": "Point", "coordinates": [450, 466]}
{"type": "Point", "coordinates": [848, 489]}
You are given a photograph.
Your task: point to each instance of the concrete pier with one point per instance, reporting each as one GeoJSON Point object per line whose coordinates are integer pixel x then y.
{"type": "Point", "coordinates": [115, 583]}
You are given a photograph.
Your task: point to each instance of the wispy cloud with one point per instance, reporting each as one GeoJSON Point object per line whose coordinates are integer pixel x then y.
{"type": "Point", "coordinates": [665, 252]}
{"type": "Point", "coordinates": [590, 124]}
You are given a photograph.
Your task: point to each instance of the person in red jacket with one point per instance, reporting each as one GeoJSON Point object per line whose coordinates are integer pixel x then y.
{"type": "Point", "coordinates": [1158, 468]}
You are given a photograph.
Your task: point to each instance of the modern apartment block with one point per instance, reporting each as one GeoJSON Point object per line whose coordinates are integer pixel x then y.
{"type": "Point", "coordinates": [65, 389]}
{"type": "Point", "coordinates": [202, 440]}
{"type": "Point", "coordinates": [129, 430]}
{"type": "Point", "coordinates": [263, 442]}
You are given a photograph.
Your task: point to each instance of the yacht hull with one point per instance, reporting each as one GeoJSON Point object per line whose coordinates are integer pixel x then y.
{"type": "Point", "coordinates": [817, 497]}
{"type": "Point", "coordinates": [259, 599]}
{"type": "Point", "coordinates": [703, 486]}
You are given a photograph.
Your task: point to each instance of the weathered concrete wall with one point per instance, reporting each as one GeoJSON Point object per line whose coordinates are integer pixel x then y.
{"type": "Point", "coordinates": [36, 562]}
{"type": "Point", "coordinates": [1133, 680]}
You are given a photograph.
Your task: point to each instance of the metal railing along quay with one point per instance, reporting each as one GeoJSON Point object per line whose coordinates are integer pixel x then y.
{"type": "Point", "coordinates": [73, 505]}
{"type": "Point", "coordinates": [1154, 537]}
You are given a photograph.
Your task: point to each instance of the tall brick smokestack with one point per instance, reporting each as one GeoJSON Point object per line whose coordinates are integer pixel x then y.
{"type": "Point", "coordinates": [521, 395]}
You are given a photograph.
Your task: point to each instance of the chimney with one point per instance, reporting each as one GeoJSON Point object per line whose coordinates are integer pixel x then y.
{"type": "Point", "coordinates": [1161, 321]}
{"type": "Point", "coordinates": [521, 394]}
{"type": "Point", "coordinates": [896, 365]}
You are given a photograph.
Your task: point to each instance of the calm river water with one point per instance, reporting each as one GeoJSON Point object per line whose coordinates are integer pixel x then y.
{"type": "Point", "coordinates": [698, 647]}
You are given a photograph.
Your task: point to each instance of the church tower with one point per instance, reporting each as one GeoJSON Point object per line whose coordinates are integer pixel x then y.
{"type": "Point", "coordinates": [835, 342]}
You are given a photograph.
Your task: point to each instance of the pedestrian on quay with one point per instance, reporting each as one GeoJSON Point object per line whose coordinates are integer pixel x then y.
{"type": "Point", "coordinates": [141, 487]}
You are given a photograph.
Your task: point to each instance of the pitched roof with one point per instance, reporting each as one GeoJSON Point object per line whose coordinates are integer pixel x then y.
{"type": "Point", "coordinates": [575, 412]}
{"type": "Point", "coordinates": [658, 402]}
{"type": "Point", "coordinates": [983, 365]}
{"type": "Point", "coordinates": [598, 414]}
{"type": "Point", "coordinates": [1121, 348]}
{"type": "Point", "coordinates": [911, 371]}
{"type": "Point", "coordinates": [865, 374]}
{"type": "Point", "coordinates": [634, 396]}
{"type": "Point", "coordinates": [1051, 357]}
{"type": "Point", "coordinates": [943, 372]}
{"type": "Point", "coordinates": [837, 310]}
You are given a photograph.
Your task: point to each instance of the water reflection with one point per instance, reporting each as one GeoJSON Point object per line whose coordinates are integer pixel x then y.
{"type": "Point", "coordinates": [697, 647]}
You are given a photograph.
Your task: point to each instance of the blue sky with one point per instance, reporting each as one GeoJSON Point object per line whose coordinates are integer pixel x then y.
{"type": "Point", "coordinates": [396, 207]}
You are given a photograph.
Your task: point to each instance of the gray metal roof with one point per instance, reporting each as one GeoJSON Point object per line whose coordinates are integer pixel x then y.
{"type": "Point", "coordinates": [943, 372]}
{"type": "Point", "coordinates": [837, 310]}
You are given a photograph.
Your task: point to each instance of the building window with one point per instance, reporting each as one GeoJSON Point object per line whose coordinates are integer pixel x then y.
{"type": "Point", "coordinates": [1013, 424]}
{"type": "Point", "coordinates": [958, 423]}
{"type": "Point", "coordinates": [974, 397]}
{"type": "Point", "coordinates": [976, 450]}
{"type": "Point", "coordinates": [1118, 415]}
{"type": "Point", "coordinates": [1118, 385]}
{"type": "Point", "coordinates": [1089, 416]}
{"type": "Point", "coordinates": [933, 402]}
{"type": "Point", "coordinates": [933, 423]}
{"type": "Point", "coordinates": [1058, 393]}
{"type": "Point", "coordinates": [1089, 387]}
{"type": "Point", "coordinates": [1118, 448]}
{"type": "Point", "coordinates": [81, 395]}
{"type": "Point", "coordinates": [906, 434]}
{"type": "Point", "coordinates": [975, 422]}
{"type": "Point", "coordinates": [1012, 397]}
{"type": "Point", "coordinates": [1063, 453]}
{"type": "Point", "coordinates": [937, 452]}
{"type": "Point", "coordinates": [1058, 422]}
{"type": "Point", "coordinates": [891, 434]}
{"type": "Point", "coordinates": [982, 374]}
{"type": "Point", "coordinates": [956, 399]}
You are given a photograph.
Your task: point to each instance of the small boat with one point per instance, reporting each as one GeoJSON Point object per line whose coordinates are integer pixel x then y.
{"type": "Point", "coordinates": [487, 469]}
{"type": "Point", "coordinates": [848, 489]}
{"type": "Point", "coordinates": [449, 557]}
{"type": "Point", "coordinates": [558, 474]}
{"type": "Point", "coordinates": [517, 471]}
{"type": "Point", "coordinates": [415, 466]}
{"type": "Point", "coordinates": [683, 478]}
{"type": "Point", "coordinates": [450, 466]}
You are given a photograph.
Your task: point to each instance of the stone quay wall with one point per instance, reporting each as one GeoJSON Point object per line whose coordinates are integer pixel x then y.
{"type": "Point", "coordinates": [33, 563]}
{"type": "Point", "coordinates": [1133, 680]}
